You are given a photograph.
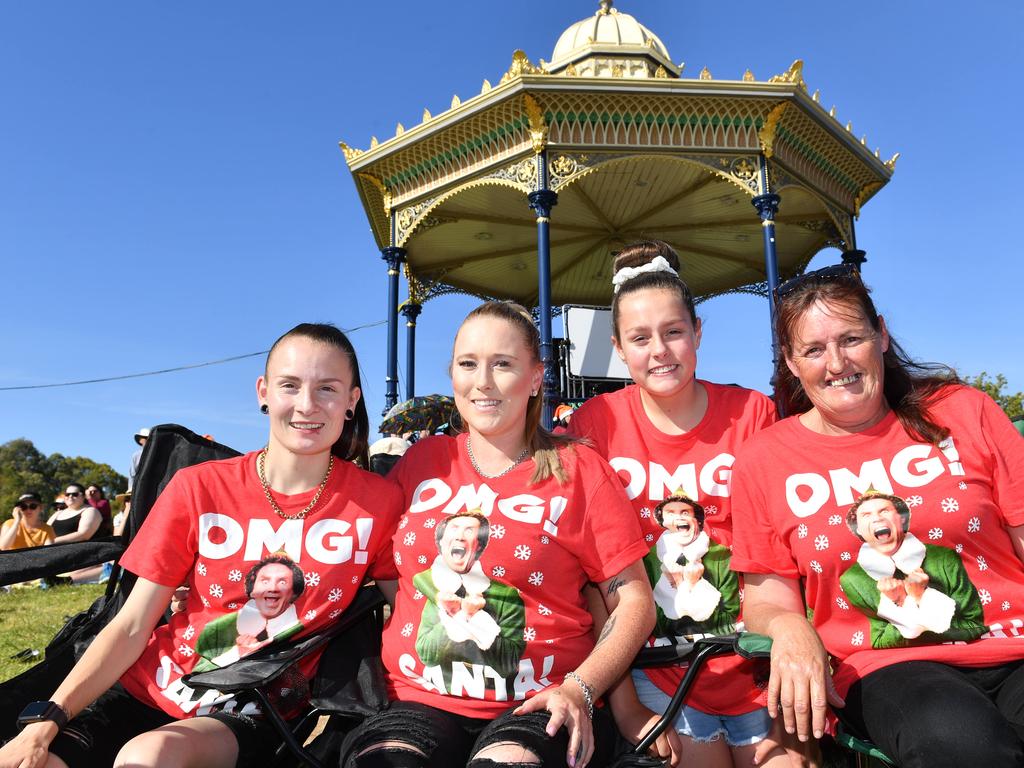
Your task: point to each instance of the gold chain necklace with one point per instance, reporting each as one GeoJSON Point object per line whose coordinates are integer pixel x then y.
{"type": "Point", "coordinates": [260, 461]}
{"type": "Point", "coordinates": [515, 462]}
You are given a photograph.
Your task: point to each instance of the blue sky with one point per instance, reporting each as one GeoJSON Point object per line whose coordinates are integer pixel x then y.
{"type": "Point", "coordinates": [172, 192]}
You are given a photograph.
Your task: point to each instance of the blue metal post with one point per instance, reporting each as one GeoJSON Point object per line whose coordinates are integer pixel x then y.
{"type": "Point", "coordinates": [542, 201]}
{"type": "Point", "coordinates": [767, 206]}
{"type": "Point", "coordinates": [393, 256]}
{"type": "Point", "coordinates": [411, 312]}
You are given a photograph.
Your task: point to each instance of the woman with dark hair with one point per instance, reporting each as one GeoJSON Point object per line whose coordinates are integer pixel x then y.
{"type": "Point", "coordinates": [96, 498]}
{"type": "Point", "coordinates": [883, 524]}
{"type": "Point", "coordinates": [489, 653]}
{"type": "Point", "coordinates": [672, 438]}
{"type": "Point", "coordinates": [326, 525]}
{"type": "Point", "coordinates": [77, 521]}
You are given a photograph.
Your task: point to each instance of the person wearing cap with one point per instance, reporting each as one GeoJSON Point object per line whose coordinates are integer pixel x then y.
{"type": "Point", "coordinates": [26, 527]}
{"type": "Point", "coordinates": [140, 437]}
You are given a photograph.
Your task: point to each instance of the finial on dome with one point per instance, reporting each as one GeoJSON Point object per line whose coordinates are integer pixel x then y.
{"type": "Point", "coordinates": [606, 7]}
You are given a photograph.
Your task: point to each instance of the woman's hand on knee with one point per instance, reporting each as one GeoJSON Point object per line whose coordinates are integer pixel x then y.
{"type": "Point", "coordinates": [800, 686]}
{"type": "Point", "coordinates": [569, 709]}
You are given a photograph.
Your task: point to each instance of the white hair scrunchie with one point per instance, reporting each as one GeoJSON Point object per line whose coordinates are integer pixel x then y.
{"type": "Point", "coordinates": [657, 264]}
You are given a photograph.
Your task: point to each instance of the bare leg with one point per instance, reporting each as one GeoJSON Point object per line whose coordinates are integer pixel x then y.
{"type": "Point", "coordinates": [202, 742]}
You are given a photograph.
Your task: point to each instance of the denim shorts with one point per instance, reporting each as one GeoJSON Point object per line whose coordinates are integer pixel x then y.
{"type": "Point", "coordinates": [739, 730]}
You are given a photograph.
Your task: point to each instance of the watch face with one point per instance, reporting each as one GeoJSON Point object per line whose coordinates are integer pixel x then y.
{"type": "Point", "coordinates": [35, 711]}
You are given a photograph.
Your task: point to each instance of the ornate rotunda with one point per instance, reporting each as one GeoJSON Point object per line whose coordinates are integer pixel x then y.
{"type": "Point", "coordinates": [526, 189]}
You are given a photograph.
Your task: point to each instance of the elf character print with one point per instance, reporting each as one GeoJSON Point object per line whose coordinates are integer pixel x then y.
{"type": "Point", "coordinates": [910, 591]}
{"type": "Point", "coordinates": [273, 586]}
{"type": "Point", "coordinates": [695, 592]}
{"type": "Point", "coordinates": [468, 617]}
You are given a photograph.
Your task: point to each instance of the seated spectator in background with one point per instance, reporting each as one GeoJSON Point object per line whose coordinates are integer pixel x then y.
{"type": "Point", "coordinates": [386, 452]}
{"type": "Point", "coordinates": [79, 521]}
{"type": "Point", "coordinates": [26, 528]}
{"type": "Point", "coordinates": [140, 437]}
{"type": "Point", "coordinates": [95, 498]}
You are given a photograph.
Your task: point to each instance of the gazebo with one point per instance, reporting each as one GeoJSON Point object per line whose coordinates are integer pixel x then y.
{"type": "Point", "coordinates": [626, 148]}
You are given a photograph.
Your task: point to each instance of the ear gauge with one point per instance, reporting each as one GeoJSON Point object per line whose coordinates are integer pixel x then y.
{"type": "Point", "coordinates": [264, 409]}
{"type": "Point", "coordinates": [349, 414]}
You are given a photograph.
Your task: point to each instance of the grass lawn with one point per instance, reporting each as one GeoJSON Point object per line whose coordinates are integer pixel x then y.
{"type": "Point", "coordinates": [29, 617]}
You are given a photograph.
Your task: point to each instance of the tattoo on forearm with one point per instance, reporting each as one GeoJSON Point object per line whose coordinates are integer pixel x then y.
{"type": "Point", "coordinates": [613, 587]}
{"type": "Point", "coordinates": [606, 631]}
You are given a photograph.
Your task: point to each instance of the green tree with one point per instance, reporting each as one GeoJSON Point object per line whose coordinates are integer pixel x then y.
{"type": "Point", "coordinates": [1013, 404]}
{"type": "Point", "coordinates": [23, 468]}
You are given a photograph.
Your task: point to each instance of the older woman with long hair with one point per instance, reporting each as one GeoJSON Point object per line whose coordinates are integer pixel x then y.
{"type": "Point", "coordinates": [489, 652]}
{"type": "Point", "coordinates": [882, 524]}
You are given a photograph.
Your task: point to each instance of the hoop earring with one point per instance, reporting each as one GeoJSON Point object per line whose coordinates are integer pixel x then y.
{"type": "Point", "coordinates": [264, 409]}
{"type": "Point", "coordinates": [349, 414]}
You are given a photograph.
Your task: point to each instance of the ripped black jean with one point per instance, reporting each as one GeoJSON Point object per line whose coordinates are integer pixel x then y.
{"type": "Point", "coordinates": [447, 739]}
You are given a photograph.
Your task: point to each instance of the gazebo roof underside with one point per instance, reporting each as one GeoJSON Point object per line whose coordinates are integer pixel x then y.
{"type": "Point", "coordinates": [669, 159]}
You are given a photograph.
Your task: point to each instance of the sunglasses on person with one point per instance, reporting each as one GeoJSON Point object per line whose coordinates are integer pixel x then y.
{"type": "Point", "coordinates": [73, 493]}
{"type": "Point", "coordinates": [830, 274]}
{"type": "Point", "coordinates": [25, 505]}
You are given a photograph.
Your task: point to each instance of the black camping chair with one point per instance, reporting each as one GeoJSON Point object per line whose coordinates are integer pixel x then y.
{"type": "Point", "coordinates": [169, 448]}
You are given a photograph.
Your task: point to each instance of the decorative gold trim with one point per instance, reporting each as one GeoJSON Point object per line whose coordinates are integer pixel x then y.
{"type": "Point", "coordinates": [521, 65]}
{"type": "Point", "coordinates": [816, 96]}
{"type": "Point", "coordinates": [866, 191]}
{"type": "Point", "coordinates": [456, 101]}
{"type": "Point", "coordinates": [538, 127]}
{"type": "Point", "coordinates": [351, 153]}
{"type": "Point", "coordinates": [705, 74]}
{"type": "Point", "coordinates": [748, 77]}
{"type": "Point", "coordinates": [767, 133]}
{"type": "Point", "coordinates": [794, 75]}
{"type": "Point", "coordinates": [426, 115]}
{"type": "Point", "coordinates": [374, 143]}
{"type": "Point", "coordinates": [384, 191]}
{"type": "Point", "coordinates": [767, 222]}
{"type": "Point", "coordinates": [486, 87]}
{"type": "Point", "coordinates": [399, 129]}
{"type": "Point", "coordinates": [542, 219]}
{"type": "Point", "coordinates": [891, 162]}
{"type": "Point", "coordinates": [570, 71]}
{"type": "Point", "coordinates": [661, 73]}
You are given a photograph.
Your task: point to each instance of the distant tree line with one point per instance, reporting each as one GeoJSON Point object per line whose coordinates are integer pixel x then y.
{"type": "Point", "coordinates": [24, 468]}
{"type": "Point", "coordinates": [1013, 404]}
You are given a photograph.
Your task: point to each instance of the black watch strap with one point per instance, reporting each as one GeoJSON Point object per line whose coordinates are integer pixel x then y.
{"type": "Point", "coordinates": [43, 711]}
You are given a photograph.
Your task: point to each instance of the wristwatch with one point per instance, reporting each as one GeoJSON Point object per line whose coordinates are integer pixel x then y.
{"type": "Point", "coordinates": [40, 712]}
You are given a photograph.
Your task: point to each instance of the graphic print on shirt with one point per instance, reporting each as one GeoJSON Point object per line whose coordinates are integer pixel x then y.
{"type": "Point", "coordinates": [695, 592]}
{"type": "Point", "coordinates": [468, 617]}
{"type": "Point", "coordinates": [911, 592]}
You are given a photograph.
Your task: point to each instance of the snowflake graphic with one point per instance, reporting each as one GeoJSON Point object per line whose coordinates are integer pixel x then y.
{"type": "Point", "coordinates": [649, 537]}
{"type": "Point", "coordinates": [835, 520]}
{"type": "Point", "coordinates": [985, 596]}
{"type": "Point", "coordinates": [711, 509]}
{"type": "Point", "coordinates": [407, 630]}
{"type": "Point", "coordinates": [216, 590]}
{"type": "Point", "coordinates": [543, 610]}
{"type": "Point", "coordinates": [189, 632]}
{"type": "Point", "coordinates": [914, 501]}
{"type": "Point", "coordinates": [417, 595]}
{"type": "Point", "coordinates": [522, 552]}
{"type": "Point", "coordinates": [645, 512]}
{"type": "Point", "coordinates": [949, 504]}
{"type": "Point", "coordinates": [201, 569]}
{"type": "Point", "coordinates": [529, 634]}
{"type": "Point", "coordinates": [355, 579]}
{"type": "Point", "coordinates": [398, 558]}
{"type": "Point", "coordinates": [935, 533]}
{"type": "Point", "coordinates": [821, 542]}
{"type": "Point", "coordinates": [858, 638]}
{"type": "Point", "coordinates": [1006, 605]}
{"type": "Point", "coordinates": [536, 578]}
{"type": "Point", "coordinates": [422, 559]}
{"type": "Point", "coordinates": [309, 615]}
{"type": "Point", "coordinates": [962, 485]}
{"type": "Point", "coordinates": [973, 525]}
{"type": "Point", "coordinates": [497, 571]}
{"type": "Point", "coordinates": [312, 579]}
{"type": "Point", "coordinates": [982, 564]}
{"type": "Point", "coordinates": [410, 539]}
{"type": "Point", "coordinates": [801, 531]}
{"type": "Point", "coordinates": [842, 604]}
{"type": "Point", "coordinates": [335, 613]}
{"type": "Point", "coordinates": [185, 651]}
{"type": "Point", "coordinates": [959, 548]}
{"type": "Point", "coordinates": [816, 566]}
{"type": "Point", "coordinates": [235, 575]}
{"type": "Point", "coordinates": [335, 594]}
{"type": "Point", "coordinates": [429, 523]}
{"type": "Point", "coordinates": [845, 556]}
{"type": "Point", "coordinates": [206, 603]}
{"type": "Point", "coordinates": [405, 522]}
{"type": "Point", "coordinates": [498, 531]}
{"type": "Point", "coordinates": [232, 606]}
{"type": "Point", "coordinates": [545, 540]}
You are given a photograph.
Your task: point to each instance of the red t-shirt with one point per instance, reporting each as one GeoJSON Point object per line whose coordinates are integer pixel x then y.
{"type": "Point", "coordinates": [210, 528]}
{"type": "Point", "coordinates": [792, 489]}
{"type": "Point", "coordinates": [652, 465]}
{"type": "Point", "coordinates": [489, 609]}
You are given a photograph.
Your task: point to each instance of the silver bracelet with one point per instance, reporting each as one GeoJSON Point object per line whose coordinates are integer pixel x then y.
{"type": "Point", "coordinates": [588, 692]}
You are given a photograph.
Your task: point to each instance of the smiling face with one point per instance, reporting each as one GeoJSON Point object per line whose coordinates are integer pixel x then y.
{"type": "Point", "coordinates": [837, 356]}
{"type": "Point", "coordinates": [880, 525]}
{"type": "Point", "coordinates": [679, 517]}
{"type": "Point", "coordinates": [657, 340]}
{"type": "Point", "coordinates": [494, 373]}
{"type": "Point", "coordinates": [308, 388]}
{"type": "Point", "coordinates": [74, 497]}
{"type": "Point", "coordinates": [460, 543]}
{"type": "Point", "coordinates": [273, 590]}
